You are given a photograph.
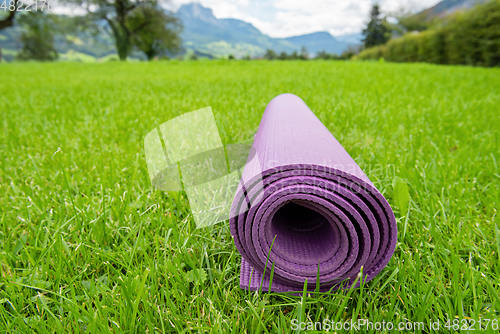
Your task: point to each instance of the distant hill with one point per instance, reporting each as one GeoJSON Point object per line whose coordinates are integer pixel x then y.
{"type": "Point", "coordinates": [351, 39]}
{"type": "Point", "coordinates": [445, 8]}
{"type": "Point", "coordinates": [203, 32]}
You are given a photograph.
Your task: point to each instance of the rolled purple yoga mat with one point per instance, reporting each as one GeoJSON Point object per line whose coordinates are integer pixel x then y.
{"type": "Point", "coordinates": [308, 199]}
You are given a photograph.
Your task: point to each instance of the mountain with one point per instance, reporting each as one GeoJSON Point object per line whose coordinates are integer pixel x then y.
{"type": "Point", "coordinates": [318, 41]}
{"type": "Point", "coordinates": [351, 39]}
{"type": "Point", "coordinates": [203, 32]}
{"type": "Point", "coordinates": [446, 7]}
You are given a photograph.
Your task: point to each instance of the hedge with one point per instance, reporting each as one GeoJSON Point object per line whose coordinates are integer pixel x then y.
{"type": "Point", "coordinates": [469, 38]}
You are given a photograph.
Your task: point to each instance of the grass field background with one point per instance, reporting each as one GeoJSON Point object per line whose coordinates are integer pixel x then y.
{"type": "Point", "coordinates": [86, 244]}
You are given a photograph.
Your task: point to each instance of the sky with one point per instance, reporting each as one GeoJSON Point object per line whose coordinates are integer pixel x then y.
{"type": "Point", "coordinates": [285, 18]}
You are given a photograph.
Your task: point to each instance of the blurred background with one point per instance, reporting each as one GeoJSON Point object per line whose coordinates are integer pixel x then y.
{"type": "Point", "coordinates": [444, 32]}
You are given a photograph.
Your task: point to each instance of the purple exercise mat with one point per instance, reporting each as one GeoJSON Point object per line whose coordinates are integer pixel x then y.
{"type": "Point", "coordinates": [308, 195]}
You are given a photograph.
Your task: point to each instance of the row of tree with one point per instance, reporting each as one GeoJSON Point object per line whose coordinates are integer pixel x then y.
{"type": "Point", "coordinates": [304, 55]}
{"type": "Point", "coordinates": [134, 24]}
{"type": "Point", "coordinates": [466, 38]}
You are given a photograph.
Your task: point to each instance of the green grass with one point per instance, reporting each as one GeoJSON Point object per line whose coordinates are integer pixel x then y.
{"type": "Point", "coordinates": [88, 246]}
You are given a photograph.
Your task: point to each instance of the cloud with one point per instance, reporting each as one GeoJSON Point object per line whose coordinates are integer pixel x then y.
{"type": "Point", "coordinates": [284, 18]}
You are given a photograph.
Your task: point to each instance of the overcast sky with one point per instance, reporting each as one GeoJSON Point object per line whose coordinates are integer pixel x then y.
{"type": "Point", "coordinates": [284, 18]}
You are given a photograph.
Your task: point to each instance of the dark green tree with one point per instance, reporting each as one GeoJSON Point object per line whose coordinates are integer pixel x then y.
{"type": "Point", "coordinates": [283, 56]}
{"type": "Point", "coordinates": [377, 31]}
{"type": "Point", "coordinates": [117, 15]}
{"type": "Point", "coordinates": [37, 39]}
{"type": "Point", "coordinates": [8, 20]}
{"type": "Point", "coordinates": [270, 54]}
{"type": "Point", "coordinates": [160, 35]}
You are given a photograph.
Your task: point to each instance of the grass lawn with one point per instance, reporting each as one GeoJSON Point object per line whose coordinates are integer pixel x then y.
{"type": "Point", "coordinates": [86, 244]}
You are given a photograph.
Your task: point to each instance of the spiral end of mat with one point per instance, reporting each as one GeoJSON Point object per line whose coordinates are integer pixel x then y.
{"type": "Point", "coordinates": [312, 223]}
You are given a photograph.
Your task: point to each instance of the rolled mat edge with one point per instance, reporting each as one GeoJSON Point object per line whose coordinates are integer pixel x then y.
{"type": "Point", "coordinates": [308, 199]}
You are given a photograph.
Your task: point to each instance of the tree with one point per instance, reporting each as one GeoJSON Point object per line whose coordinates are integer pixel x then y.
{"type": "Point", "coordinates": [160, 35]}
{"type": "Point", "coordinates": [377, 31]}
{"type": "Point", "coordinates": [350, 51]}
{"type": "Point", "coordinates": [304, 55]}
{"type": "Point", "coordinates": [283, 56]}
{"type": "Point", "coordinates": [37, 38]}
{"type": "Point", "coordinates": [8, 21]}
{"type": "Point", "coordinates": [270, 54]}
{"type": "Point", "coordinates": [119, 15]}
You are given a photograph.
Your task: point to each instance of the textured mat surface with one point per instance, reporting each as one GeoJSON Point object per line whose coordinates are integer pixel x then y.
{"type": "Point", "coordinates": [311, 202]}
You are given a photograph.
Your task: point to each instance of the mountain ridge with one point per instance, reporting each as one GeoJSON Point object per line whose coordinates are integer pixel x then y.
{"type": "Point", "coordinates": [203, 32]}
{"type": "Point", "coordinates": [446, 7]}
